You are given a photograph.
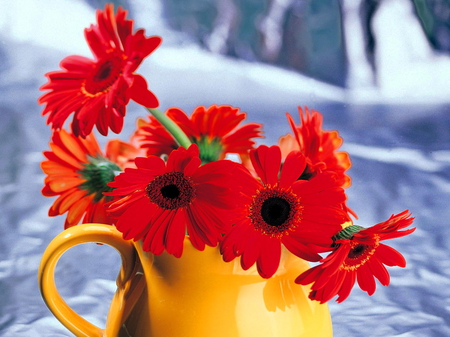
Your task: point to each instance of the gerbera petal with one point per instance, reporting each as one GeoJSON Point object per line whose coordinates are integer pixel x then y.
{"type": "Point", "coordinates": [234, 242]}
{"type": "Point", "coordinates": [140, 94]}
{"type": "Point", "coordinates": [77, 63]}
{"type": "Point", "coordinates": [138, 47]}
{"type": "Point", "coordinates": [131, 223]}
{"type": "Point", "coordinates": [366, 280]}
{"type": "Point", "coordinates": [153, 164]}
{"type": "Point", "coordinates": [73, 145]}
{"type": "Point", "coordinates": [175, 233]}
{"type": "Point", "coordinates": [240, 140]}
{"type": "Point", "coordinates": [269, 258]}
{"type": "Point", "coordinates": [299, 249]}
{"type": "Point", "coordinates": [258, 157]}
{"type": "Point", "coordinates": [309, 276]}
{"type": "Point", "coordinates": [347, 286]}
{"type": "Point", "coordinates": [115, 120]}
{"type": "Point", "coordinates": [272, 165]}
{"type": "Point", "coordinates": [186, 124]}
{"type": "Point", "coordinates": [65, 156]}
{"type": "Point", "coordinates": [62, 184]}
{"type": "Point", "coordinates": [77, 210]}
{"type": "Point", "coordinates": [379, 271]}
{"type": "Point", "coordinates": [65, 201]}
{"type": "Point", "coordinates": [331, 287]}
{"type": "Point", "coordinates": [320, 146]}
{"type": "Point", "coordinates": [250, 256]}
{"type": "Point", "coordinates": [199, 232]}
{"type": "Point", "coordinates": [96, 213]}
{"type": "Point", "coordinates": [85, 118]}
{"type": "Point", "coordinates": [390, 257]}
{"type": "Point", "coordinates": [55, 170]}
{"type": "Point", "coordinates": [293, 167]}
{"type": "Point", "coordinates": [154, 238]}
{"type": "Point", "coordinates": [210, 220]}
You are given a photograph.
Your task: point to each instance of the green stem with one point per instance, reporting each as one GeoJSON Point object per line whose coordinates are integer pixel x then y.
{"type": "Point", "coordinates": [171, 127]}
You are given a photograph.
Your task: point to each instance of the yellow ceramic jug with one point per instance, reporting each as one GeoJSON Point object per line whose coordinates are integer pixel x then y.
{"type": "Point", "coordinates": [197, 295]}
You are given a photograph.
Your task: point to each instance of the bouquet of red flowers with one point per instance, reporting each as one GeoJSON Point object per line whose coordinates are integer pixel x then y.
{"type": "Point", "coordinates": [173, 177]}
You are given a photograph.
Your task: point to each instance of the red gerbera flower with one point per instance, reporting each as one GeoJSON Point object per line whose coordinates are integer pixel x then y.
{"type": "Point", "coordinates": [299, 214]}
{"type": "Point", "coordinates": [358, 255]}
{"type": "Point", "coordinates": [161, 200]}
{"type": "Point", "coordinates": [319, 147]}
{"type": "Point", "coordinates": [215, 130]}
{"type": "Point", "coordinates": [77, 172]}
{"type": "Point", "coordinates": [97, 91]}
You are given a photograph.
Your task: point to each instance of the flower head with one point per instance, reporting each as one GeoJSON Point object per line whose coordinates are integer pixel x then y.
{"type": "Point", "coordinates": [78, 173]}
{"type": "Point", "coordinates": [301, 215]}
{"type": "Point", "coordinates": [215, 130]}
{"type": "Point", "coordinates": [160, 201]}
{"type": "Point", "coordinates": [318, 146]}
{"type": "Point", "coordinates": [359, 256]}
{"type": "Point", "coordinates": [97, 91]}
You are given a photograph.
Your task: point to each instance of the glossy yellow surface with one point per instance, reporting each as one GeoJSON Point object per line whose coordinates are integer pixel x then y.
{"type": "Point", "coordinates": [197, 295]}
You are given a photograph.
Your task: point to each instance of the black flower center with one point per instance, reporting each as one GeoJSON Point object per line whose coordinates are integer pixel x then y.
{"type": "Point", "coordinates": [275, 211]}
{"type": "Point", "coordinates": [103, 71]}
{"type": "Point", "coordinates": [103, 76]}
{"type": "Point", "coordinates": [357, 251]}
{"type": "Point", "coordinates": [359, 254]}
{"type": "Point", "coordinates": [171, 190]}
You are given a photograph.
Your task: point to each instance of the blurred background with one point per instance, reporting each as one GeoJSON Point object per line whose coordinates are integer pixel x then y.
{"type": "Point", "coordinates": [378, 70]}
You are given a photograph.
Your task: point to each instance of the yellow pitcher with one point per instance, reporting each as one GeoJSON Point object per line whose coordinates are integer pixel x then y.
{"type": "Point", "coordinates": [197, 295]}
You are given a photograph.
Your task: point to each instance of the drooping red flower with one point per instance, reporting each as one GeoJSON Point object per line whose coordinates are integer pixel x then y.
{"type": "Point", "coordinates": [319, 147]}
{"type": "Point", "coordinates": [358, 256]}
{"type": "Point", "coordinates": [97, 91]}
{"type": "Point", "coordinates": [302, 215]}
{"type": "Point", "coordinates": [215, 130]}
{"type": "Point", "coordinates": [78, 173]}
{"type": "Point", "coordinates": [160, 201]}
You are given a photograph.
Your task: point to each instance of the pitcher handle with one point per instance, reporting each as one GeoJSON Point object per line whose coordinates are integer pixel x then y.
{"type": "Point", "coordinates": [71, 237]}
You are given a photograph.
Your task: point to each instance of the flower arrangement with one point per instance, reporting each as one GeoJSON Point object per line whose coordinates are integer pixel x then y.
{"type": "Point", "coordinates": [172, 177]}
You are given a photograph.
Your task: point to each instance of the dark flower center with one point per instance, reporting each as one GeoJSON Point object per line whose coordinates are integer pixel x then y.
{"type": "Point", "coordinates": [275, 211]}
{"type": "Point", "coordinates": [98, 172]}
{"type": "Point", "coordinates": [103, 76]}
{"type": "Point", "coordinates": [357, 251]}
{"type": "Point", "coordinates": [171, 190]}
{"type": "Point", "coordinates": [103, 71]}
{"type": "Point", "coordinates": [359, 254]}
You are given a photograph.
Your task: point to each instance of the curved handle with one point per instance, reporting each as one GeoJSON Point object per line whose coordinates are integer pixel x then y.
{"type": "Point", "coordinates": [73, 236]}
